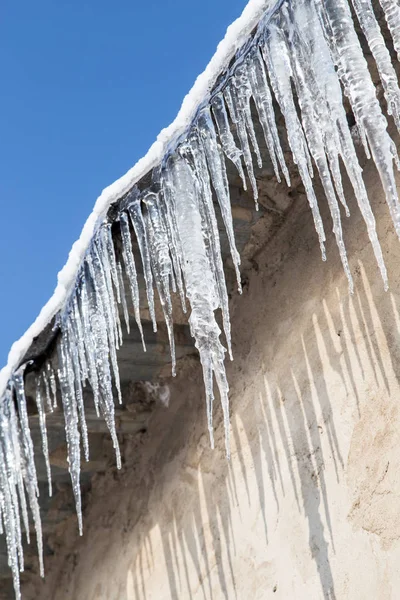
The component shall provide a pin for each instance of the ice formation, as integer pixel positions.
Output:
(305, 56)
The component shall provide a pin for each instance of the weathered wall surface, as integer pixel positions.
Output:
(309, 505)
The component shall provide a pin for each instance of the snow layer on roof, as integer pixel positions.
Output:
(235, 37)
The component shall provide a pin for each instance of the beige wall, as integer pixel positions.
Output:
(309, 506)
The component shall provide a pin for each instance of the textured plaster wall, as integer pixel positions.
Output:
(309, 505)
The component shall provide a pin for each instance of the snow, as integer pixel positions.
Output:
(236, 35)
(306, 53)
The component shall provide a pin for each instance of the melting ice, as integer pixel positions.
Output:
(305, 57)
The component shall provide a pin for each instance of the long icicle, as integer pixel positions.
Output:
(304, 55)
(130, 269)
(43, 431)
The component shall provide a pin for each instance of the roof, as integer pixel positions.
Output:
(236, 36)
(182, 215)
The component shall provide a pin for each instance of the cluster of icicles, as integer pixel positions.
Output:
(307, 52)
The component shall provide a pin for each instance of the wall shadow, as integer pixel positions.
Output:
(286, 452)
(286, 438)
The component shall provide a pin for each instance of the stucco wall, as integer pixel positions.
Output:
(309, 505)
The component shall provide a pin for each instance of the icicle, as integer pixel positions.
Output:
(130, 269)
(47, 391)
(109, 250)
(322, 81)
(123, 296)
(106, 253)
(366, 16)
(30, 477)
(307, 52)
(135, 213)
(243, 95)
(100, 346)
(358, 85)
(216, 165)
(161, 264)
(84, 312)
(263, 101)
(18, 382)
(43, 431)
(200, 286)
(120, 338)
(225, 135)
(71, 346)
(166, 207)
(237, 98)
(314, 123)
(109, 261)
(211, 233)
(10, 516)
(392, 13)
(104, 287)
(12, 495)
(53, 384)
(276, 60)
(78, 332)
(66, 379)
(15, 457)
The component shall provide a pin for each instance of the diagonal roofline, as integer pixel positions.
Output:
(235, 38)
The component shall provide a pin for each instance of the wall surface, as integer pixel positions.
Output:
(309, 505)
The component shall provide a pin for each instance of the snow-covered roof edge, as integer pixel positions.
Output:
(235, 37)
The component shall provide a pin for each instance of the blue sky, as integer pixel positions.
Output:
(86, 88)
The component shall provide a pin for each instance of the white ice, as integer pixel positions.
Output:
(302, 56)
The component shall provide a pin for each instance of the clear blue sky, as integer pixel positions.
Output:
(86, 87)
